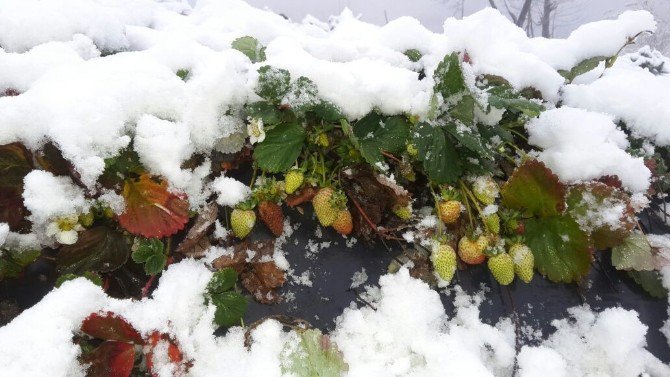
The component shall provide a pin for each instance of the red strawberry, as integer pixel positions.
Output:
(343, 224)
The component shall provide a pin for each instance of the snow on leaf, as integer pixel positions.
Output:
(98, 249)
(377, 134)
(281, 147)
(633, 254)
(273, 83)
(533, 187)
(314, 355)
(440, 159)
(109, 326)
(449, 76)
(111, 359)
(250, 47)
(581, 68)
(151, 210)
(222, 281)
(560, 247)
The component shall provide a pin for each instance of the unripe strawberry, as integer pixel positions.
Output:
(322, 140)
(403, 212)
(343, 224)
(502, 268)
(272, 215)
(492, 223)
(323, 206)
(411, 150)
(443, 258)
(293, 180)
(449, 211)
(471, 251)
(524, 261)
(485, 190)
(242, 222)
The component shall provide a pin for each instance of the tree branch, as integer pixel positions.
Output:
(524, 13)
(493, 4)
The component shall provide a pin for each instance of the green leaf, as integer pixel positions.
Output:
(91, 276)
(376, 133)
(183, 73)
(413, 54)
(303, 95)
(99, 249)
(440, 159)
(250, 47)
(327, 111)
(650, 281)
(448, 77)
(560, 247)
(633, 254)
(147, 248)
(273, 83)
(222, 281)
(469, 137)
(155, 264)
(464, 110)
(281, 147)
(516, 105)
(230, 307)
(13, 262)
(583, 67)
(534, 188)
(264, 110)
(315, 355)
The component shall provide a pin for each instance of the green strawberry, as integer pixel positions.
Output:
(443, 258)
(403, 212)
(293, 180)
(485, 189)
(492, 223)
(502, 268)
(524, 261)
(449, 211)
(242, 222)
(471, 251)
(325, 211)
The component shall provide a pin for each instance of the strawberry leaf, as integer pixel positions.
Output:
(230, 307)
(315, 355)
(281, 147)
(440, 159)
(222, 281)
(560, 247)
(250, 47)
(449, 77)
(109, 326)
(151, 252)
(377, 134)
(633, 254)
(534, 188)
(15, 164)
(650, 281)
(111, 359)
(273, 83)
(98, 249)
(151, 210)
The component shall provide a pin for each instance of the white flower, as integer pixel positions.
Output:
(256, 131)
(65, 229)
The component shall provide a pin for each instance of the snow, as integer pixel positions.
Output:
(580, 145)
(230, 191)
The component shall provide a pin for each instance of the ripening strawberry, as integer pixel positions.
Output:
(242, 222)
(443, 258)
(485, 190)
(471, 251)
(343, 224)
(325, 211)
(403, 212)
(272, 215)
(449, 211)
(502, 268)
(524, 261)
(492, 223)
(293, 180)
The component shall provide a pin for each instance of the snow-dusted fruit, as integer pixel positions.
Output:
(449, 211)
(443, 258)
(492, 223)
(524, 261)
(403, 212)
(502, 268)
(485, 190)
(293, 181)
(325, 211)
(343, 224)
(242, 222)
(272, 216)
(471, 251)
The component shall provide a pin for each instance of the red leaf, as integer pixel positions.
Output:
(109, 326)
(111, 359)
(174, 353)
(152, 211)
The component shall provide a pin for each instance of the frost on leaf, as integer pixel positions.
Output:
(534, 188)
(560, 247)
(633, 254)
(313, 355)
(151, 210)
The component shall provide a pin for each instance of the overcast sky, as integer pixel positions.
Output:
(432, 13)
